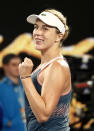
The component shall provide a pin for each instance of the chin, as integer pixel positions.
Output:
(16, 75)
(39, 48)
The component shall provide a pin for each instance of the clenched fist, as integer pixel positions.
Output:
(25, 68)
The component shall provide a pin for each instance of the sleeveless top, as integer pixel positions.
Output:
(59, 120)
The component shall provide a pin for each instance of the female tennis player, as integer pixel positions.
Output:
(48, 88)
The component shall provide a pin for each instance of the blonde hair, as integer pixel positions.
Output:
(63, 20)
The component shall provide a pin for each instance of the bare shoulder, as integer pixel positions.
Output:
(58, 77)
(60, 66)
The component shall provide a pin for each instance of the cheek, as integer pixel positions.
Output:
(51, 38)
(33, 34)
(14, 69)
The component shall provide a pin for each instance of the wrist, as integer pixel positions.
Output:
(24, 77)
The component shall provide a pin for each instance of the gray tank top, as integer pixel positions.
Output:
(59, 120)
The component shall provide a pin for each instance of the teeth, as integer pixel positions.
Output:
(39, 40)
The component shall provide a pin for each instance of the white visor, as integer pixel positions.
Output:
(49, 19)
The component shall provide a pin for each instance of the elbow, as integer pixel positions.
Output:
(43, 118)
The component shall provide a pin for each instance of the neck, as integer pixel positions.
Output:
(49, 54)
(14, 79)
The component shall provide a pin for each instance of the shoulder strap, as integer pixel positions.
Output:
(51, 61)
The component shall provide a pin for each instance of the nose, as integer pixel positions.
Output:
(38, 31)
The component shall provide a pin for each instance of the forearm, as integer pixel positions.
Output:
(35, 100)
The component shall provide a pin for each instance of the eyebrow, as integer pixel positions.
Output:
(45, 25)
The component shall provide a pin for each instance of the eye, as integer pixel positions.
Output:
(45, 28)
(35, 27)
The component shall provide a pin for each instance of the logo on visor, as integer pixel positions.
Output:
(43, 14)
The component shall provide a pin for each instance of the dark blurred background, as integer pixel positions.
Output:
(78, 12)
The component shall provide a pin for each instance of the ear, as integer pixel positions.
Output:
(59, 37)
(5, 67)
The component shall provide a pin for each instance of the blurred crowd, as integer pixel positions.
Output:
(82, 107)
(12, 105)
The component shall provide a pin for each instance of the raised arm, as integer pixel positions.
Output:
(53, 85)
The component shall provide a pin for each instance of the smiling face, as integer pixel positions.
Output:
(44, 36)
